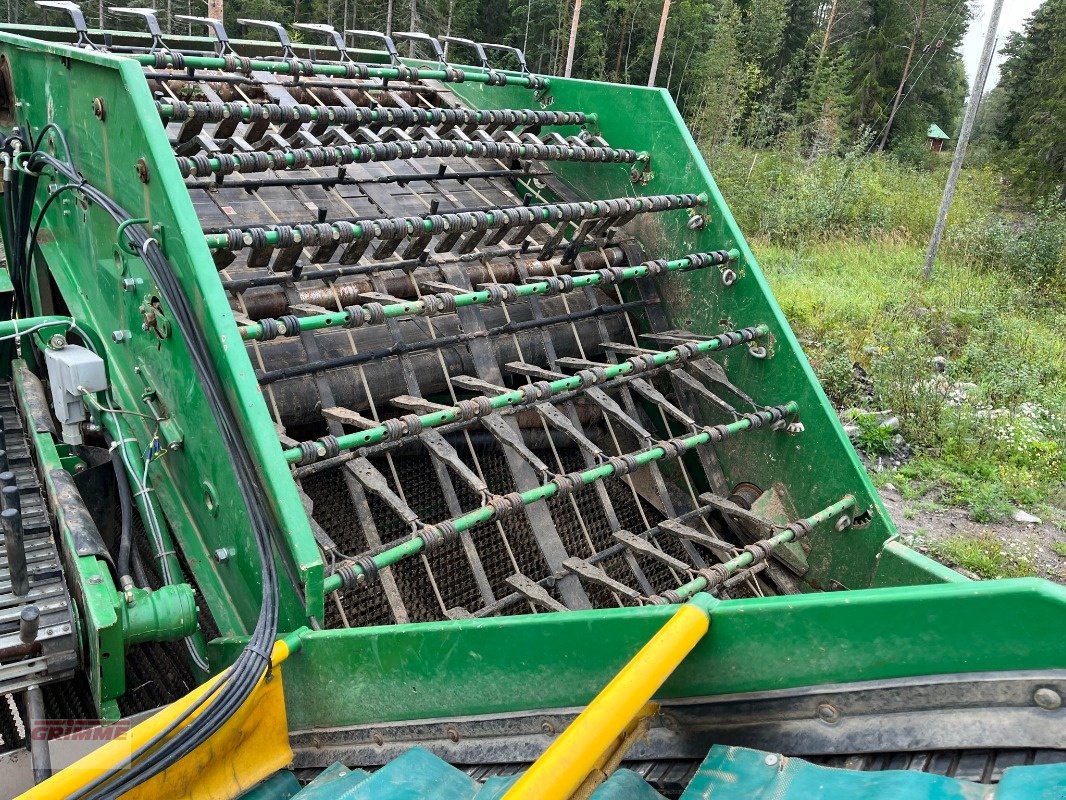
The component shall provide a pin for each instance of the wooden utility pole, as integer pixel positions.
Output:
(906, 74)
(829, 27)
(573, 39)
(659, 42)
(964, 138)
(214, 9)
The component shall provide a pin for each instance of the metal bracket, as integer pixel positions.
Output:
(279, 31)
(390, 45)
(369, 476)
(646, 548)
(483, 59)
(331, 33)
(518, 54)
(722, 550)
(77, 18)
(414, 36)
(150, 20)
(222, 45)
(534, 593)
(511, 437)
(596, 575)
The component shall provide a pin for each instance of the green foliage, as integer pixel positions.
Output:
(874, 438)
(1059, 548)
(793, 197)
(1032, 247)
(1033, 116)
(991, 431)
(983, 555)
(744, 72)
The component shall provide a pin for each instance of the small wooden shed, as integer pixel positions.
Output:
(937, 137)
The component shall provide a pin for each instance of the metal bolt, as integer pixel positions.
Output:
(843, 523)
(378, 740)
(129, 284)
(221, 554)
(120, 336)
(729, 277)
(696, 222)
(453, 734)
(142, 170)
(95, 580)
(771, 759)
(827, 712)
(57, 342)
(98, 108)
(1047, 699)
(548, 728)
(758, 352)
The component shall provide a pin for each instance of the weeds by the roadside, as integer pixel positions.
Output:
(983, 555)
(990, 429)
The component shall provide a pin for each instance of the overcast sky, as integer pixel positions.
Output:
(1012, 18)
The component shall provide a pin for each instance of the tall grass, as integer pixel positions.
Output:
(842, 240)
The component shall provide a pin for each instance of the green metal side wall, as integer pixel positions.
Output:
(58, 84)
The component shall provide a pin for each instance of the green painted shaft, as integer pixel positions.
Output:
(342, 155)
(743, 560)
(248, 111)
(486, 513)
(339, 70)
(19, 327)
(517, 397)
(254, 331)
(493, 219)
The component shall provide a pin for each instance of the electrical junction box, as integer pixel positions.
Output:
(72, 370)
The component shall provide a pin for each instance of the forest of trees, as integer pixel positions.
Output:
(1023, 119)
(823, 75)
(751, 69)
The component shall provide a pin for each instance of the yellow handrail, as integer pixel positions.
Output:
(581, 748)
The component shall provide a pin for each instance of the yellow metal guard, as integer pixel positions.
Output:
(588, 741)
(252, 745)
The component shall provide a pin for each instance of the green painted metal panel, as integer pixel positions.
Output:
(194, 482)
(492, 666)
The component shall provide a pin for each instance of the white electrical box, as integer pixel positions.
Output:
(72, 369)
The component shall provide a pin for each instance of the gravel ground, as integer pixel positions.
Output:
(924, 522)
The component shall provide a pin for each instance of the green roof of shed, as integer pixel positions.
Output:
(935, 132)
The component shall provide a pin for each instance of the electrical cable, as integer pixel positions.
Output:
(236, 684)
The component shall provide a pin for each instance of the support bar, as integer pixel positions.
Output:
(341, 155)
(179, 111)
(581, 748)
(329, 446)
(367, 567)
(430, 305)
(344, 231)
(298, 67)
(713, 576)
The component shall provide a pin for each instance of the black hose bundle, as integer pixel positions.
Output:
(235, 686)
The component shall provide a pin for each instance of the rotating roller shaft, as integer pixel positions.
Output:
(347, 69)
(430, 305)
(344, 231)
(367, 567)
(177, 110)
(712, 577)
(329, 446)
(341, 155)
